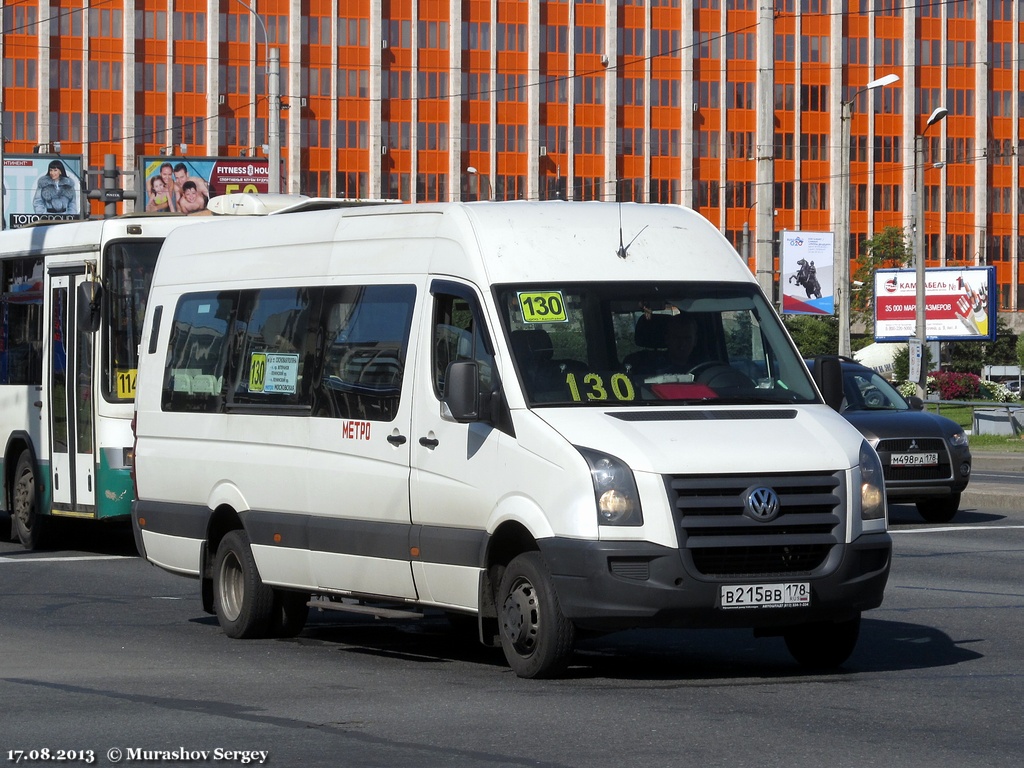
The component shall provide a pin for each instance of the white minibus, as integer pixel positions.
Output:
(554, 417)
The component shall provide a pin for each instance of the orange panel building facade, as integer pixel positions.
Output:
(730, 108)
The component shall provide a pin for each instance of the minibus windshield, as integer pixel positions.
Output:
(632, 344)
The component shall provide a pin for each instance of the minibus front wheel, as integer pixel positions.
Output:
(243, 603)
(535, 635)
(823, 645)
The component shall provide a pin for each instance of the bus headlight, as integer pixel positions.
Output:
(872, 485)
(618, 501)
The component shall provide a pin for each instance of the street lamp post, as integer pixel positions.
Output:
(841, 282)
(273, 106)
(917, 203)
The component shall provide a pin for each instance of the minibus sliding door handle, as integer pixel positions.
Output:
(396, 439)
(429, 442)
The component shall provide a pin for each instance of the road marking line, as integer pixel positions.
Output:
(960, 528)
(63, 559)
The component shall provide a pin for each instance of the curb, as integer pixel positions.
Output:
(1001, 496)
(994, 497)
(998, 462)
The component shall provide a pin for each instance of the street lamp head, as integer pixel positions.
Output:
(939, 114)
(883, 80)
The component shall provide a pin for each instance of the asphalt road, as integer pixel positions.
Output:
(101, 652)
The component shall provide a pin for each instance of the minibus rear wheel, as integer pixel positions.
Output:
(535, 635)
(291, 610)
(243, 603)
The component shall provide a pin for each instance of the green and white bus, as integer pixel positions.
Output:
(72, 299)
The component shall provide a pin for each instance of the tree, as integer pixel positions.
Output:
(814, 334)
(1002, 351)
(971, 356)
(887, 249)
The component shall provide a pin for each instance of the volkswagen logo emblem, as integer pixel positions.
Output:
(761, 504)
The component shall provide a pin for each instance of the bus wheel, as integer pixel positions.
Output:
(243, 603)
(29, 524)
(536, 637)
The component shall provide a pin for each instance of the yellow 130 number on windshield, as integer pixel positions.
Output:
(594, 387)
(542, 307)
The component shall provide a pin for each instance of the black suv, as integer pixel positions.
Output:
(925, 457)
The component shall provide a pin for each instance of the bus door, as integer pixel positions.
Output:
(69, 397)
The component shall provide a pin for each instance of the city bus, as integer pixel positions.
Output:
(72, 300)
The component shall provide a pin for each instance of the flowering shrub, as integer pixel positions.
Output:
(953, 385)
(907, 388)
(995, 391)
(960, 386)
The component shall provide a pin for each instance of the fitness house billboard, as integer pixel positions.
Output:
(186, 184)
(41, 187)
(957, 303)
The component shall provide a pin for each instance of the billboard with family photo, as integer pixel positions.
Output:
(41, 187)
(186, 184)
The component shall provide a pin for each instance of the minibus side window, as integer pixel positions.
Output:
(194, 370)
(276, 345)
(458, 335)
(364, 335)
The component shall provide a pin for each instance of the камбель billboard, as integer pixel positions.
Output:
(959, 301)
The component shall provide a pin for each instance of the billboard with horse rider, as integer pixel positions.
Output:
(807, 268)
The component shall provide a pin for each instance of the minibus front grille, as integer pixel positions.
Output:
(718, 537)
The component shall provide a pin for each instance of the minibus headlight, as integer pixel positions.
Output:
(618, 501)
(872, 486)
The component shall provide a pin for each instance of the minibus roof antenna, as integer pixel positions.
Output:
(622, 252)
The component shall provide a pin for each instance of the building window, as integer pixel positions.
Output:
(706, 143)
(433, 136)
(190, 78)
(476, 35)
(511, 37)
(187, 26)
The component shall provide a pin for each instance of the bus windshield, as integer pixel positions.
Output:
(632, 344)
(128, 273)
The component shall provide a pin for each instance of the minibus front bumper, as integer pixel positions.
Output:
(609, 586)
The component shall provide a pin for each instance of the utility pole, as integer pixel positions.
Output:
(764, 228)
(273, 119)
(110, 194)
(3, 189)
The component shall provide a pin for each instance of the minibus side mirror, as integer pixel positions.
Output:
(828, 375)
(89, 301)
(462, 391)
